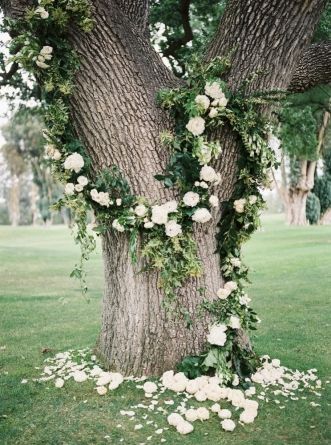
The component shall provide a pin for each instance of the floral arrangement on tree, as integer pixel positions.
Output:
(166, 229)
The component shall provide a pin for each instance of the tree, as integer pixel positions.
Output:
(115, 113)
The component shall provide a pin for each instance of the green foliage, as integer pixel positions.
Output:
(322, 186)
(313, 208)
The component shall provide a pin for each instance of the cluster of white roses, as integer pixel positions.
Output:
(217, 332)
(228, 288)
(74, 162)
(44, 54)
(239, 204)
(52, 152)
(213, 98)
(41, 11)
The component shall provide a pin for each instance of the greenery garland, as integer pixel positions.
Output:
(167, 230)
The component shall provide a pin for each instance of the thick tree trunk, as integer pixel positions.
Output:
(115, 114)
(14, 201)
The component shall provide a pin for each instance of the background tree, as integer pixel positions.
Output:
(115, 114)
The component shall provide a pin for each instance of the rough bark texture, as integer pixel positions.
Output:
(115, 114)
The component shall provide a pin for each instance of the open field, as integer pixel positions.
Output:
(41, 307)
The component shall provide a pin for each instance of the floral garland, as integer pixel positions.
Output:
(202, 106)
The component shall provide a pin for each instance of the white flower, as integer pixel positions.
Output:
(213, 90)
(82, 180)
(231, 285)
(117, 226)
(118, 201)
(172, 228)
(228, 425)
(59, 383)
(184, 427)
(42, 12)
(203, 413)
(203, 185)
(101, 390)
(207, 174)
(252, 199)
(53, 152)
(239, 205)
(192, 387)
(223, 293)
(275, 362)
(235, 380)
(201, 215)
(247, 416)
(217, 335)
(244, 300)
(170, 206)
(74, 162)
(196, 125)
(79, 188)
(214, 201)
(101, 198)
(140, 210)
(46, 50)
(224, 414)
(203, 101)
(234, 322)
(191, 199)
(159, 215)
(216, 408)
(250, 391)
(42, 64)
(200, 396)
(69, 189)
(221, 102)
(150, 387)
(191, 415)
(148, 224)
(174, 419)
(212, 113)
(79, 376)
(235, 262)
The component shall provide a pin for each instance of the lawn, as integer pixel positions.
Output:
(41, 307)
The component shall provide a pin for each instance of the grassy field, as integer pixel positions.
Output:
(41, 307)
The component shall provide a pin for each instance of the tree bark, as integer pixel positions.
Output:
(115, 113)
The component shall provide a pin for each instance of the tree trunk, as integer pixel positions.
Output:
(115, 113)
(14, 201)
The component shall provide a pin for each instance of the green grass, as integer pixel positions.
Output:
(41, 307)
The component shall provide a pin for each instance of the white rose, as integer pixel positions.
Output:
(42, 12)
(148, 225)
(103, 199)
(59, 383)
(231, 285)
(224, 414)
(213, 90)
(275, 362)
(79, 376)
(159, 215)
(207, 174)
(235, 262)
(252, 199)
(235, 380)
(184, 427)
(221, 102)
(172, 228)
(203, 101)
(191, 415)
(118, 201)
(140, 210)
(82, 180)
(217, 335)
(203, 413)
(174, 419)
(196, 126)
(95, 195)
(234, 322)
(101, 390)
(191, 199)
(212, 113)
(56, 155)
(117, 226)
(46, 50)
(201, 215)
(69, 189)
(170, 206)
(228, 425)
(200, 396)
(223, 293)
(74, 162)
(216, 408)
(150, 387)
(239, 205)
(79, 188)
(214, 201)
(247, 416)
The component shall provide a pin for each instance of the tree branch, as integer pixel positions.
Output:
(313, 68)
(175, 44)
(6, 76)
